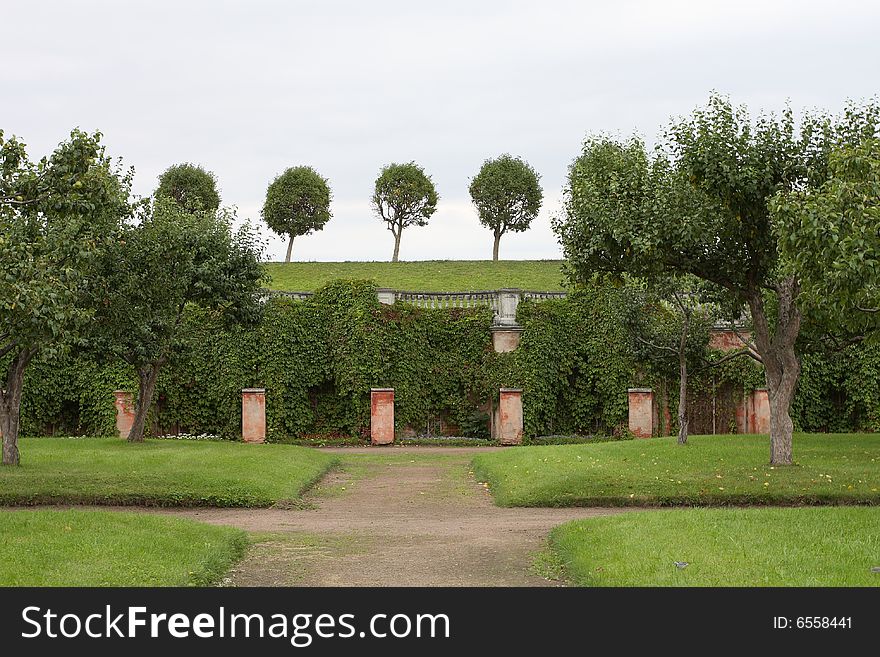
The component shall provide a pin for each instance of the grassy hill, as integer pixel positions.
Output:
(423, 276)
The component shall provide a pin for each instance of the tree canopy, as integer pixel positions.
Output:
(170, 259)
(297, 203)
(404, 196)
(57, 217)
(190, 186)
(507, 194)
(700, 204)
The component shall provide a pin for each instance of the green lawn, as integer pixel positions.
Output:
(103, 548)
(711, 470)
(159, 472)
(828, 546)
(422, 276)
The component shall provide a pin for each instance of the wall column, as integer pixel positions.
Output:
(510, 416)
(761, 411)
(381, 416)
(641, 412)
(253, 415)
(124, 402)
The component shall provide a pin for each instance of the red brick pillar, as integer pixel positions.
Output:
(641, 412)
(124, 412)
(253, 415)
(761, 414)
(510, 416)
(381, 416)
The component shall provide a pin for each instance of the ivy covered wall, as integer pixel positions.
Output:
(318, 359)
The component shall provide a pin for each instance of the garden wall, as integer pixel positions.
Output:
(318, 357)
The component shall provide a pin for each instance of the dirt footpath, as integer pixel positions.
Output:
(394, 517)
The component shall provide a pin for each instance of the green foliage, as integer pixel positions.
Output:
(101, 548)
(172, 258)
(404, 196)
(318, 359)
(507, 194)
(297, 202)
(56, 217)
(829, 235)
(190, 186)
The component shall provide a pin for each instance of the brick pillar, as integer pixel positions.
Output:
(510, 416)
(124, 412)
(253, 415)
(381, 416)
(505, 338)
(761, 413)
(641, 412)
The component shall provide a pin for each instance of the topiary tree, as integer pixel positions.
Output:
(404, 196)
(169, 260)
(190, 186)
(507, 194)
(701, 206)
(57, 217)
(297, 203)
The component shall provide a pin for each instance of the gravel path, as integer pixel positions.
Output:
(394, 517)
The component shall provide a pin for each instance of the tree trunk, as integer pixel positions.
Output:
(495, 247)
(781, 365)
(147, 375)
(396, 245)
(10, 405)
(682, 384)
(289, 249)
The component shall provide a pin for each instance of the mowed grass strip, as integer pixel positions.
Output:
(822, 546)
(159, 473)
(104, 548)
(710, 470)
(422, 276)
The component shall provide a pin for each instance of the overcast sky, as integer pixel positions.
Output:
(247, 89)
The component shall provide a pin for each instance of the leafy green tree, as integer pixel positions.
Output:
(670, 328)
(507, 194)
(830, 235)
(404, 196)
(701, 206)
(171, 259)
(191, 186)
(297, 203)
(56, 218)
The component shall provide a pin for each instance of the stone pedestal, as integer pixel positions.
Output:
(508, 300)
(385, 295)
(641, 412)
(505, 338)
(124, 412)
(381, 416)
(253, 415)
(760, 418)
(510, 417)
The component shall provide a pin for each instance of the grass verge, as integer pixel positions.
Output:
(159, 473)
(711, 470)
(723, 547)
(104, 548)
(422, 276)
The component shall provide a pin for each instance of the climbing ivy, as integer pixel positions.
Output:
(319, 358)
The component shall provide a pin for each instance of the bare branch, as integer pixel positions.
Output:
(754, 356)
(657, 346)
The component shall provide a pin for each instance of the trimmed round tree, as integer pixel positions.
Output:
(404, 196)
(297, 203)
(190, 186)
(507, 194)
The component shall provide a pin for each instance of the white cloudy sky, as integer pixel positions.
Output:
(249, 88)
